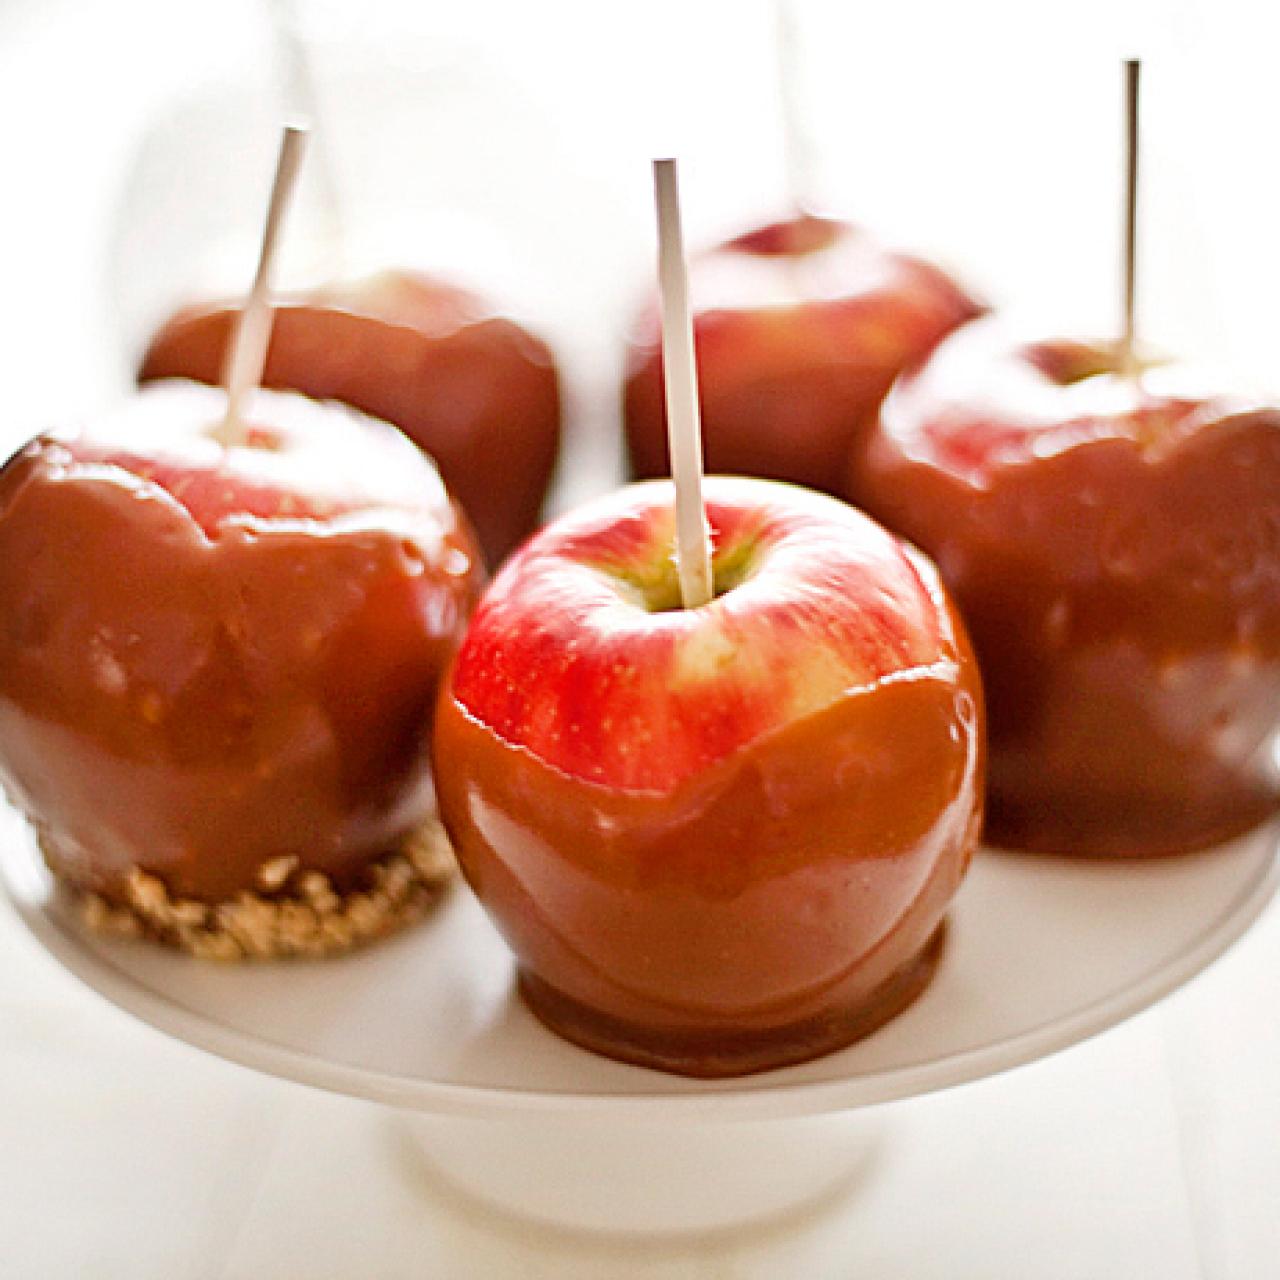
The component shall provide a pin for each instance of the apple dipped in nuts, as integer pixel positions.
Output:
(225, 620)
(474, 389)
(218, 662)
(801, 327)
(1114, 544)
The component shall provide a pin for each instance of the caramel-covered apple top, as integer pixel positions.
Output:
(826, 259)
(990, 399)
(298, 462)
(610, 630)
(429, 305)
(812, 259)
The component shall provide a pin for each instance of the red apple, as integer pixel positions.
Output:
(717, 839)
(476, 391)
(215, 660)
(1115, 549)
(800, 328)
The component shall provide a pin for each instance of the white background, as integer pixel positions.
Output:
(511, 141)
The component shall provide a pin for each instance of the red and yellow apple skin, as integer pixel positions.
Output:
(214, 657)
(800, 329)
(479, 393)
(1115, 551)
(722, 839)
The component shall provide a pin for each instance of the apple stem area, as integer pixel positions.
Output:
(684, 424)
(247, 354)
(1129, 364)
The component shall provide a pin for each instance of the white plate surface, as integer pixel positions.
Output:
(1042, 953)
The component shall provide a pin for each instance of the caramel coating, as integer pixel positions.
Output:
(774, 898)
(777, 911)
(194, 692)
(1116, 554)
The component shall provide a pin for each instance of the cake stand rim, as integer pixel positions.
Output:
(731, 1100)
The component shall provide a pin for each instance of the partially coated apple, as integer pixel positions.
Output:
(717, 839)
(479, 393)
(217, 664)
(1114, 546)
(800, 329)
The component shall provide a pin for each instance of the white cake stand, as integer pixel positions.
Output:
(1042, 953)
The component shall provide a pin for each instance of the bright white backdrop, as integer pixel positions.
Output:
(985, 133)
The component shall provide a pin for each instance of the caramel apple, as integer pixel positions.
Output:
(1114, 545)
(718, 839)
(479, 393)
(218, 664)
(800, 328)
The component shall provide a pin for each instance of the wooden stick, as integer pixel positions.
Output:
(1129, 365)
(684, 424)
(247, 353)
(797, 142)
(302, 103)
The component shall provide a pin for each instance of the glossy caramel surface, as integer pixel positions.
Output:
(773, 902)
(213, 658)
(1115, 550)
(476, 391)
